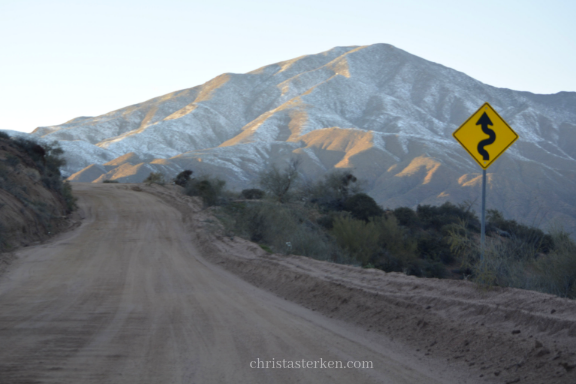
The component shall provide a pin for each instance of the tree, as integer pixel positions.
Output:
(182, 178)
(279, 182)
(332, 190)
(362, 207)
(155, 178)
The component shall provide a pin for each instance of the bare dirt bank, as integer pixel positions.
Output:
(498, 335)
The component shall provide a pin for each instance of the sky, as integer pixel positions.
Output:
(64, 59)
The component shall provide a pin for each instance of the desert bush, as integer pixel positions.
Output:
(110, 181)
(69, 198)
(499, 267)
(512, 262)
(330, 192)
(362, 207)
(326, 221)
(434, 247)
(283, 227)
(557, 270)
(279, 183)
(183, 177)
(447, 213)
(398, 251)
(4, 135)
(53, 157)
(155, 178)
(210, 189)
(253, 194)
(357, 237)
(530, 236)
(406, 217)
(47, 157)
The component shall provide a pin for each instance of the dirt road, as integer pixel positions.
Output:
(128, 298)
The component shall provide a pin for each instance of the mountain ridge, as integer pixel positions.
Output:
(399, 109)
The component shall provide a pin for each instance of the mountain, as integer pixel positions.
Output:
(378, 110)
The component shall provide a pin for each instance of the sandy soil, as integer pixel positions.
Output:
(145, 290)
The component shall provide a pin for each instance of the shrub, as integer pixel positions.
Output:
(4, 135)
(209, 189)
(285, 228)
(357, 237)
(326, 221)
(182, 178)
(557, 270)
(253, 194)
(362, 207)
(280, 182)
(266, 248)
(434, 247)
(532, 236)
(406, 217)
(69, 197)
(110, 181)
(155, 178)
(331, 192)
(447, 213)
(399, 249)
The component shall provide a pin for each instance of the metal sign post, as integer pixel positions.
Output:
(483, 224)
(474, 140)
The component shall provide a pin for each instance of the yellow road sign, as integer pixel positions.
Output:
(485, 135)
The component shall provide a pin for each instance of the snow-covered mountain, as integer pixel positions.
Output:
(378, 110)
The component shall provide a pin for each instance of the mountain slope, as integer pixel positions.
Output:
(379, 110)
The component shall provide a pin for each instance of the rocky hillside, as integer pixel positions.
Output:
(380, 111)
(34, 201)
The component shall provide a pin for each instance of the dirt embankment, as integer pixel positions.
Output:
(32, 207)
(501, 335)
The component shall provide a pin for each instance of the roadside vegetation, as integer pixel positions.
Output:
(26, 164)
(333, 219)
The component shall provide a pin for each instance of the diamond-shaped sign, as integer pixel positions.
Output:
(485, 135)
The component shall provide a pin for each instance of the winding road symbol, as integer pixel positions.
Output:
(485, 121)
(472, 136)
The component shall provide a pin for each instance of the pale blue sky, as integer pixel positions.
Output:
(64, 59)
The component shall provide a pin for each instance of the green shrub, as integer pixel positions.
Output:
(182, 178)
(357, 237)
(69, 197)
(362, 207)
(253, 194)
(399, 249)
(332, 190)
(532, 236)
(4, 135)
(326, 221)
(266, 248)
(279, 183)
(285, 228)
(557, 270)
(208, 188)
(434, 247)
(155, 178)
(406, 217)
(110, 181)
(447, 213)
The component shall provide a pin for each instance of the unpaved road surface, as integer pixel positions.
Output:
(147, 290)
(128, 298)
